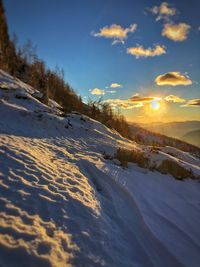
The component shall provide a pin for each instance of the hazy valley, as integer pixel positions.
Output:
(188, 131)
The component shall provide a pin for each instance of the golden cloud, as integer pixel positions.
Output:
(164, 11)
(140, 51)
(174, 98)
(134, 102)
(97, 91)
(116, 32)
(176, 32)
(193, 103)
(123, 103)
(173, 79)
(115, 85)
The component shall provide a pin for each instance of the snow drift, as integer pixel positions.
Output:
(63, 204)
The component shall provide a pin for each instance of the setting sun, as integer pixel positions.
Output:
(155, 105)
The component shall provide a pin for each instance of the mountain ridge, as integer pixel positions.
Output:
(173, 129)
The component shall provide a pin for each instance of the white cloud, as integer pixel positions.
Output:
(173, 78)
(136, 94)
(116, 32)
(111, 91)
(140, 51)
(97, 91)
(176, 32)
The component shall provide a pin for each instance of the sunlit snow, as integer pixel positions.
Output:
(63, 204)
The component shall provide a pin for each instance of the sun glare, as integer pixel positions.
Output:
(155, 105)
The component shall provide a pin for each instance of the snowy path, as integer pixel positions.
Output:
(144, 246)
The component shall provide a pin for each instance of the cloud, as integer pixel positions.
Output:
(138, 99)
(123, 103)
(97, 91)
(164, 11)
(192, 103)
(116, 32)
(111, 91)
(140, 51)
(173, 79)
(174, 99)
(134, 102)
(136, 94)
(115, 85)
(176, 32)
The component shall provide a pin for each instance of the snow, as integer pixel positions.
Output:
(63, 204)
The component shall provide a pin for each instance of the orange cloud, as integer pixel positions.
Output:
(176, 32)
(138, 99)
(173, 79)
(140, 51)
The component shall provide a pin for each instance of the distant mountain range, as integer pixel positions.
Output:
(188, 131)
(150, 138)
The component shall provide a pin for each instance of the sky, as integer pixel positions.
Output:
(142, 57)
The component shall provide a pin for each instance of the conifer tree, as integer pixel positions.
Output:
(4, 38)
(8, 58)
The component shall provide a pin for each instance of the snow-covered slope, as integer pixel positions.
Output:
(63, 204)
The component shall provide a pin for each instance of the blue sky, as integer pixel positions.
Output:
(64, 34)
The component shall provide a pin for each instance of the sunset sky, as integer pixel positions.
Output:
(142, 57)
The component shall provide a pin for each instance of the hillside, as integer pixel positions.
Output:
(147, 137)
(192, 137)
(66, 201)
(173, 129)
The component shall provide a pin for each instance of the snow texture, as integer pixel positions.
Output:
(63, 204)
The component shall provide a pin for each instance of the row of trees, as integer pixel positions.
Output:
(102, 112)
(24, 64)
(7, 49)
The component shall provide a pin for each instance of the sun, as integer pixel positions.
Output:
(155, 105)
